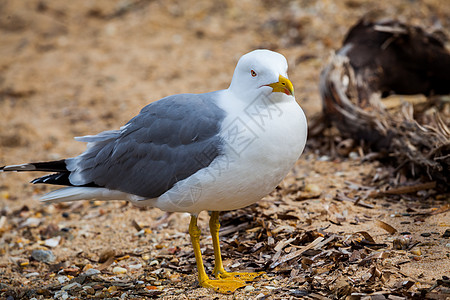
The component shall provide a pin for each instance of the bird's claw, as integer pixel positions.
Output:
(223, 286)
(242, 276)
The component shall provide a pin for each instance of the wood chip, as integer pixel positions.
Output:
(297, 253)
(232, 229)
(283, 243)
(340, 196)
(367, 236)
(386, 227)
(106, 264)
(136, 225)
(410, 189)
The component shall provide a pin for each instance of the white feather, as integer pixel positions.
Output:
(86, 193)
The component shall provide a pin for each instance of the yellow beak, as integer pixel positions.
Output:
(283, 85)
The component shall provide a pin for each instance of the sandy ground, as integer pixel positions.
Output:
(72, 68)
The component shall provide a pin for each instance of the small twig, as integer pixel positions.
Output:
(297, 253)
(342, 197)
(410, 189)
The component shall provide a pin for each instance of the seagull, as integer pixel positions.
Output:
(216, 151)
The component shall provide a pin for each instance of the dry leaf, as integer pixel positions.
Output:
(386, 227)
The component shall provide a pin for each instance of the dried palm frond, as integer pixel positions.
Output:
(389, 57)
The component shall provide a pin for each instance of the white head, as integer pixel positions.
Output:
(261, 71)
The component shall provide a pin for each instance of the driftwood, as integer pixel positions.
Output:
(388, 57)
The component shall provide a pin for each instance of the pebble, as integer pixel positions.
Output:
(298, 293)
(71, 286)
(446, 234)
(87, 267)
(312, 188)
(416, 252)
(353, 155)
(31, 274)
(5, 195)
(324, 158)
(31, 222)
(61, 295)
(62, 279)
(2, 221)
(140, 233)
(270, 287)
(45, 256)
(135, 267)
(119, 270)
(248, 288)
(24, 263)
(154, 262)
(52, 242)
(402, 242)
(175, 277)
(158, 271)
(89, 289)
(425, 234)
(91, 271)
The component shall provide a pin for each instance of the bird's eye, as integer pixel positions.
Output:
(253, 73)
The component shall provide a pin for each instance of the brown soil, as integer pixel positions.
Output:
(72, 68)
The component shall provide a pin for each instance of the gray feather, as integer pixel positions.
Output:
(168, 141)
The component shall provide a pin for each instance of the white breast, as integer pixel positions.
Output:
(262, 138)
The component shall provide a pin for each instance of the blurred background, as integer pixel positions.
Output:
(71, 68)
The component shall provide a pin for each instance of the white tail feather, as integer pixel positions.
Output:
(84, 193)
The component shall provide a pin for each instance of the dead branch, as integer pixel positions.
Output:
(382, 58)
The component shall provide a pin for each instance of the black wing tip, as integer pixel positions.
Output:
(57, 178)
(61, 178)
(51, 166)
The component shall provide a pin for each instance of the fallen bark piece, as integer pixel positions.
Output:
(386, 227)
(380, 58)
(411, 189)
(297, 253)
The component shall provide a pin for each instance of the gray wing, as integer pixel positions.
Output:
(168, 141)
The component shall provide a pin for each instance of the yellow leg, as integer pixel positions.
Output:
(219, 271)
(224, 286)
